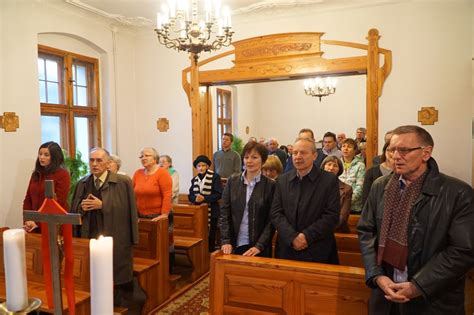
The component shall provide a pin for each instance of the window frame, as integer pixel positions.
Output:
(66, 110)
(222, 95)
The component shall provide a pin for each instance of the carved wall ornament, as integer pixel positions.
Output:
(163, 124)
(273, 69)
(428, 115)
(275, 50)
(10, 122)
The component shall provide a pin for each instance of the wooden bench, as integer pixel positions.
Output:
(183, 199)
(254, 285)
(349, 255)
(34, 270)
(191, 236)
(348, 250)
(352, 222)
(151, 261)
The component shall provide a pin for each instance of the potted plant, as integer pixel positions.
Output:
(77, 169)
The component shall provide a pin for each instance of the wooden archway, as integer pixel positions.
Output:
(282, 57)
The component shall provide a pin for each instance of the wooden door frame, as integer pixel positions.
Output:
(286, 56)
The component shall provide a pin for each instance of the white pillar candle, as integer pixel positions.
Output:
(102, 282)
(15, 269)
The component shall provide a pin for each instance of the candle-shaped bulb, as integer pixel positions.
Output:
(220, 31)
(226, 15)
(208, 8)
(182, 33)
(217, 9)
(165, 10)
(172, 8)
(159, 21)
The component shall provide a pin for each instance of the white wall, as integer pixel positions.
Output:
(283, 109)
(20, 25)
(431, 45)
(159, 94)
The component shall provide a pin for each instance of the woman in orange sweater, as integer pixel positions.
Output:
(153, 190)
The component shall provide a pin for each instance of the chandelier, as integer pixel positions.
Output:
(178, 28)
(318, 87)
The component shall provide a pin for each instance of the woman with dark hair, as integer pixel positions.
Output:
(385, 168)
(245, 210)
(334, 165)
(49, 166)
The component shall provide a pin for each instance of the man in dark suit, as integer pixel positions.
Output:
(106, 202)
(305, 209)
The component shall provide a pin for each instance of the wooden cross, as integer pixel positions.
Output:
(53, 220)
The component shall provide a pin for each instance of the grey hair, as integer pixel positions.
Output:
(168, 158)
(309, 140)
(156, 156)
(117, 160)
(107, 154)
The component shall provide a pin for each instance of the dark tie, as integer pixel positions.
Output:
(97, 183)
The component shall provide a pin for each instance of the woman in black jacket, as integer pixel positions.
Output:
(245, 211)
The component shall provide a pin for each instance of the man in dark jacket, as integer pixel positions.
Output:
(305, 209)
(416, 233)
(106, 202)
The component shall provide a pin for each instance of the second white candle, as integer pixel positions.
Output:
(102, 281)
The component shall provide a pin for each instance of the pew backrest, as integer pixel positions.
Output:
(191, 221)
(255, 285)
(348, 250)
(153, 239)
(352, 223)
(34, 262)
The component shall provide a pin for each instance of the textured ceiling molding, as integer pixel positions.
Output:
(129, 21)
(274, 4)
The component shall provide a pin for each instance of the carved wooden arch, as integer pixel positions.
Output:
(282, 57)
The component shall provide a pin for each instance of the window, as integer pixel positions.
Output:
(224, 114)
(69, 97)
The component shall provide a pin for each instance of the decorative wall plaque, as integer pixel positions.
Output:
(428, 115)
(9, 121)
(163, 124)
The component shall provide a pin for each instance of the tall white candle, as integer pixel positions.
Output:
(15, 269)
(102, 282)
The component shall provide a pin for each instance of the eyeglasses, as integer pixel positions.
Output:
(403, 151)
(145, 156)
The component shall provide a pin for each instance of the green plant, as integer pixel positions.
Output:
(77, 169)
(237, 145)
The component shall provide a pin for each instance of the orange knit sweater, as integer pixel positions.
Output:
(153, 192)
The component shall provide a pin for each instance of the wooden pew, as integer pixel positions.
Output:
(151, 261)
(254, 285)
(352, 222)
(183, 199)
(190, 233)
(349, 255)
(34, 270)
(348, 250)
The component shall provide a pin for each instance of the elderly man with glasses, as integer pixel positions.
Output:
(416, 232)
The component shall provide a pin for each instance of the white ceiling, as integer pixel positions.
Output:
(143, 12)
